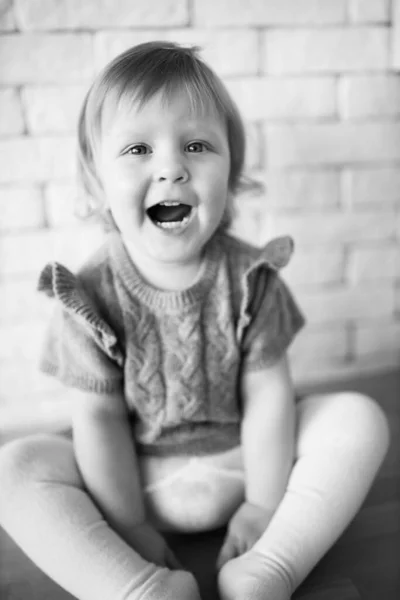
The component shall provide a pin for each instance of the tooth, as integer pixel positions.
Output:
(172, 224)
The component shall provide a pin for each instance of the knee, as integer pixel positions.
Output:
(367, 421)
(347, 421)
(29, 460)
(22, 458)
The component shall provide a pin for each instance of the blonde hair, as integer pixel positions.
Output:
(136, 76)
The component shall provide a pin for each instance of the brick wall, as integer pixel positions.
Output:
(317, 83)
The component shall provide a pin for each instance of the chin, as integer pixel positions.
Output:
(168, 252)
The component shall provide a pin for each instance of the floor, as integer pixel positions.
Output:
(364, 564)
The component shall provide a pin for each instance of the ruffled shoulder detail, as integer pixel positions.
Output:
(277, 252)
(260, 275)
(56, 281)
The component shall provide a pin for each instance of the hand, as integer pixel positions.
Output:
(245, 527)
(151, 546)
(170, 585)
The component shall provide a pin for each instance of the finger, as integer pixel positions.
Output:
(172, 561)
(228, 551)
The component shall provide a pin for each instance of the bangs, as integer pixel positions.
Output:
(174, 73)
(130, 96)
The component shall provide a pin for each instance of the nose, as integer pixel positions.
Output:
(171, 170)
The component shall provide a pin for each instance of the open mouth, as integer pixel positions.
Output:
(170, 214)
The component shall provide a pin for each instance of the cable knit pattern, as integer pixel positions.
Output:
(183, 351)
(144, 372)
(184, 368)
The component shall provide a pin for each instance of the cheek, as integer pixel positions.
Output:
(123, 183)
(216, 177)
(218, 192)
(219, 189)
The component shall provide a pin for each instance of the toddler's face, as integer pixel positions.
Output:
(164, 172)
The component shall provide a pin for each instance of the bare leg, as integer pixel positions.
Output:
(342, 440)
(45, 508)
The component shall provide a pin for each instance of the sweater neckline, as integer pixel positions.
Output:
(165, 299)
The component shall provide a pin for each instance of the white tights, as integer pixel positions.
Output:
(341, 442)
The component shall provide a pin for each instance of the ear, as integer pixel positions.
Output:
(86, 205)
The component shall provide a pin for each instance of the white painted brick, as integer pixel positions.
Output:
(24, 255)
(302, 190)
(43, 158)
(373, 263)
(247, 219)
(377, 337)
(343, 304)
(19, 300)
(7, 20)
(396, 34)
(369, 96)
(342, 371)
(326, 50)
(330, 227)
(11, 118)
(61, 203)
(369, 11)
(47, 58)
(285, 98)
(322, 267)
(21, 208)
(28, 254)
(374, 186)
(333, 143)
(18, 378)
(35, 412)
(52, 109)
(23, 416)
(21, 341)
(228, 52)
(268, 12)
(94, 14)
(320, 346)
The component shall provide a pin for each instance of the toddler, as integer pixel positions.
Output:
(173, 339)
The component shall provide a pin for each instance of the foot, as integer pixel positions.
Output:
(253, 577)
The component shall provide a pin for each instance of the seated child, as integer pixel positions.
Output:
(173, 339)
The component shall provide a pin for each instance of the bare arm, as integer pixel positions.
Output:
(268, 433)
(268, 437)
(106, 456)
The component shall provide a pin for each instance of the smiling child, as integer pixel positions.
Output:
(173, 338)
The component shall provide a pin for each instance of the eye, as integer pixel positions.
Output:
(137, 150)
(196, 147)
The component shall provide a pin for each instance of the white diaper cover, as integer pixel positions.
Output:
(194, 493)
